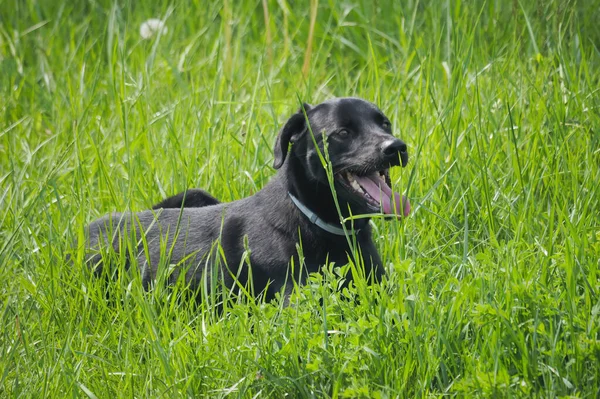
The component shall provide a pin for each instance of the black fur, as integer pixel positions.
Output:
(267, 226)
(191, 198)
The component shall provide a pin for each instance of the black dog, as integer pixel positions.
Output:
(296, 207)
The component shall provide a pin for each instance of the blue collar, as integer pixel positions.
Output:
(314, 219)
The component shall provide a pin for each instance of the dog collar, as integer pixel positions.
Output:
(314, 219)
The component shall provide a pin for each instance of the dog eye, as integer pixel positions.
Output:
(343, 132)
(386, 125)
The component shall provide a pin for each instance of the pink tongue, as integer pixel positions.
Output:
(382, 193)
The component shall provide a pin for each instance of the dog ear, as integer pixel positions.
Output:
(293, 127)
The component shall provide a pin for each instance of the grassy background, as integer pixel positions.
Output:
(493, 287)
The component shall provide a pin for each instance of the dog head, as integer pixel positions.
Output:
(361, 149)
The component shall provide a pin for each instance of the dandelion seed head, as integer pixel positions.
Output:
(151, 27)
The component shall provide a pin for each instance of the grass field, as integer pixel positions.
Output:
(494, 280)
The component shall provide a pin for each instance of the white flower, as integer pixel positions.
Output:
(152, 26)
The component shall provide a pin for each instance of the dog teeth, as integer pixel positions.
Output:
(355, 185)
(353, 182)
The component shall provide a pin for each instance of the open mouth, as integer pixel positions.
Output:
(374, 189)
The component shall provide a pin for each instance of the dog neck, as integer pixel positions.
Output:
(316, 200)
(316, 220)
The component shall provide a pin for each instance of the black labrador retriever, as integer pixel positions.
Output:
(259, 236)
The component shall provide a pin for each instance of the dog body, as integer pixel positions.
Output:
(265, 230)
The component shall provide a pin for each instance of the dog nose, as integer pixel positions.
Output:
(395, 147)
(395, 152)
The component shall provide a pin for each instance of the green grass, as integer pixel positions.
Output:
(493, 285)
